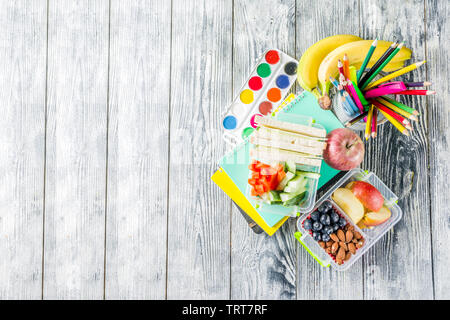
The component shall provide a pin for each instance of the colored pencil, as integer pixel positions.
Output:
(396, 116)
(369, 122)
(378, 63)
(359, 93)
(353, 74)
(385, 100)
(396, 74)
(418, 84)
(374, 123)
(350, 102)
(417, 92)
(356, 119)
(366, 60)
(356, 98)
(395, 123)
(346, 66)
(344, 83)
(347, 108)
(385, 62)
(341, 68)
(397, 109)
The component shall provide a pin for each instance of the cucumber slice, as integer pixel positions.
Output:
(294, 190)
(291, 166)
(274, 197)
(296, 200)
(312, 175)
(297, 182)
(289, 176)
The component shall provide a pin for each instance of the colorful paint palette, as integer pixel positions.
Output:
(263, 92)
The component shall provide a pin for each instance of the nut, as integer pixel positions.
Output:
(351, 228)
(342, 244)
(348, 255)
(351, 248)
(357, 235)
(359, 244)
(334, 247)
(348, 236)
(329, 243)
(341, 253)
(355, 240)
(334, 237)
(328, 250)
(339, 261)
(341, 235)
(322, 244)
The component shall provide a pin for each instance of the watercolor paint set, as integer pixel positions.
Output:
(262, 93)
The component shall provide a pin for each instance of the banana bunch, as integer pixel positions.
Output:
(319, 62)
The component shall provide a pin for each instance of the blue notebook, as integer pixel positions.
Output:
(236, 162)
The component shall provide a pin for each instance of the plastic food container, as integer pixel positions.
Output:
(308, 204)
(371, 236)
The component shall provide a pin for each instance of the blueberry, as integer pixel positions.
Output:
(315, 216)
(334, 217)
(328, 229)
(317, 236)
(325, 237)
(336, 227)
(307, 224)
(317, 226)
(342, 222)
(323, 207)
(325, 219)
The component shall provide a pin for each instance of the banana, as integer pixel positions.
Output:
(309, 63)
(356, 52)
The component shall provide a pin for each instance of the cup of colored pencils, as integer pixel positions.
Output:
(368, 99)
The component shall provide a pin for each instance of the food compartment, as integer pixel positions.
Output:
(370, 234)
(329, 232)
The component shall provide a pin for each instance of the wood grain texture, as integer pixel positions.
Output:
(76, 150)
(138, 150)
(314, 281)
(399, 265)
(437, 44)
(199, 221)
(22, 127)
(262, 267)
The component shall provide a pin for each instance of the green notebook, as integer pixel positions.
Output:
(305, 104)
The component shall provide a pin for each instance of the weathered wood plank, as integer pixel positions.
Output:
(199, 221)
(76, 150)
(138, 150)
(262, 267)
(437, 40)
(399, 266)
(313, 24)
(22, 130)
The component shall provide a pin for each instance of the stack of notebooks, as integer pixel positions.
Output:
(233, 172)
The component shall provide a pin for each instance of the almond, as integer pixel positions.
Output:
(348, 255)
(328, 250)
(351, 228)
(339, 261)
(355, 240)
(340, 254)
(342, 244)
(357, 235)
(334, 237)
(351, 248)
(348, 236)
(359, 244)
(341, 235)
(329, 243)
(322, 244)
(334, 247)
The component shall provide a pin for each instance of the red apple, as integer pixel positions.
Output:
(344, 150)
(369, 196)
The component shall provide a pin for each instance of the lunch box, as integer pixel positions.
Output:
(308, 204)
(371, 235)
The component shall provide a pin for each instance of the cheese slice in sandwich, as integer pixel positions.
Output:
(289, 137)
(276, 154)
(291, 127)
(260, 141)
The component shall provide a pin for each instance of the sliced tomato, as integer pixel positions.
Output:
(256, 175)
(268, 171)
(253, 192)
(259, 189)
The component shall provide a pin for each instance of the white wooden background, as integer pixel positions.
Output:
(110, 131)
